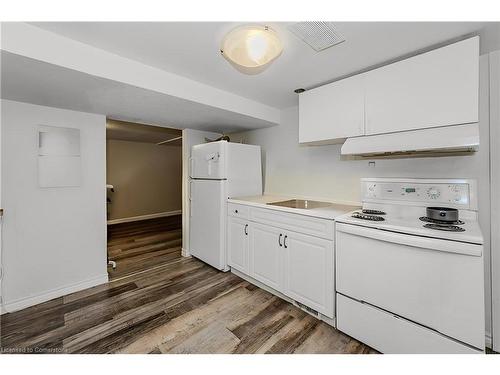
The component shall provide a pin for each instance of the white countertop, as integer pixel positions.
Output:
(329, 212)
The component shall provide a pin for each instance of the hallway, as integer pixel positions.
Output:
(142, 245)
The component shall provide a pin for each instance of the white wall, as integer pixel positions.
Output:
(54, 239)
(147, 179)
(320, 171)
(190, 138)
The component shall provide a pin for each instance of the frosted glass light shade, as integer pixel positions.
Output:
(251, 49)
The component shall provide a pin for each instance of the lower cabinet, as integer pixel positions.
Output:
(308, 271)
(237, 240)
(298, 265)
(266, 255)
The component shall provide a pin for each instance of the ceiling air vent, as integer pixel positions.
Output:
(318, 35)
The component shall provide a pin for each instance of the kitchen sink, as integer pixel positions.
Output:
(300, 203)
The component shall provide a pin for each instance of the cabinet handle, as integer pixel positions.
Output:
(279, 240)
(284, 242)
(246, 229)
(235, 211)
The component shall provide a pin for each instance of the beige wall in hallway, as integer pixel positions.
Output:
(146, 177)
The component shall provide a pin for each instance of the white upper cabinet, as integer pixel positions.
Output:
(333, 111)
(437, 88)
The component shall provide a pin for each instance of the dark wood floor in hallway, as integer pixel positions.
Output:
(142, 245)
(181, 305)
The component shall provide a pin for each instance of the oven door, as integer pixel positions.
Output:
(435, 283)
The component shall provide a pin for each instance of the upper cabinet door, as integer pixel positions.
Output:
(437, 88)
(333, 111)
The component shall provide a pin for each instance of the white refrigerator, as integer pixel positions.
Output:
(218, 171)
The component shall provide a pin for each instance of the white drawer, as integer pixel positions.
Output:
(238, 210)
(313, 226)
(390, 334)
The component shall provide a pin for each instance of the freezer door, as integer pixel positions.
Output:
(208, 222)
(208, 161)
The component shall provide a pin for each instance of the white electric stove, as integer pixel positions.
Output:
(406, 283)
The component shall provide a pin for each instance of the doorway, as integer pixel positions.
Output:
(144, 197)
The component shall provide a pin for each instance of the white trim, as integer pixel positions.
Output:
(488, 342)
(494, 199)
(185, 253)
(144, 217)
(54, 293)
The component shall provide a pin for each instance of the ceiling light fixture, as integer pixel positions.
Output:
(251, 49)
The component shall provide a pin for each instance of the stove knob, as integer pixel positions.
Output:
(433, 193)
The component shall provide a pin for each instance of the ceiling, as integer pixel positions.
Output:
(32, 81)
(128, 131)
(191, 49)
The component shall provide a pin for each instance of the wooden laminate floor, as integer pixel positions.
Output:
(179, 306)
(142, 245)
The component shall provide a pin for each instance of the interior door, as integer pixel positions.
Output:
(266, 255)
(237, 244)
(207, 229)
(308, 270)
(437, 88)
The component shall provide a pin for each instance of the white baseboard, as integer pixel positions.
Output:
(55, 293)
(144, 217)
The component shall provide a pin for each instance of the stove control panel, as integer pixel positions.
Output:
(426, 192)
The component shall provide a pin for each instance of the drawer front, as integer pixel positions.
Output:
(438, 289)
(390, 334)
(313, 226)
(238, 210)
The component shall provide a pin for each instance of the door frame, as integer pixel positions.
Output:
(494, 60)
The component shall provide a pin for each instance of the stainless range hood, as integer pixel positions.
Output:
(448, 139)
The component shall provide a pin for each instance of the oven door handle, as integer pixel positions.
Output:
(436, 244)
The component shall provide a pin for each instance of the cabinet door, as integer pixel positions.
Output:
(308, 270)
(437, 88)
(333, 111)
(237, 241)
(266, 256)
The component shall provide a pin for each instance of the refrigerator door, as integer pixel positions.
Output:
(208, 161)
(208, 222)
